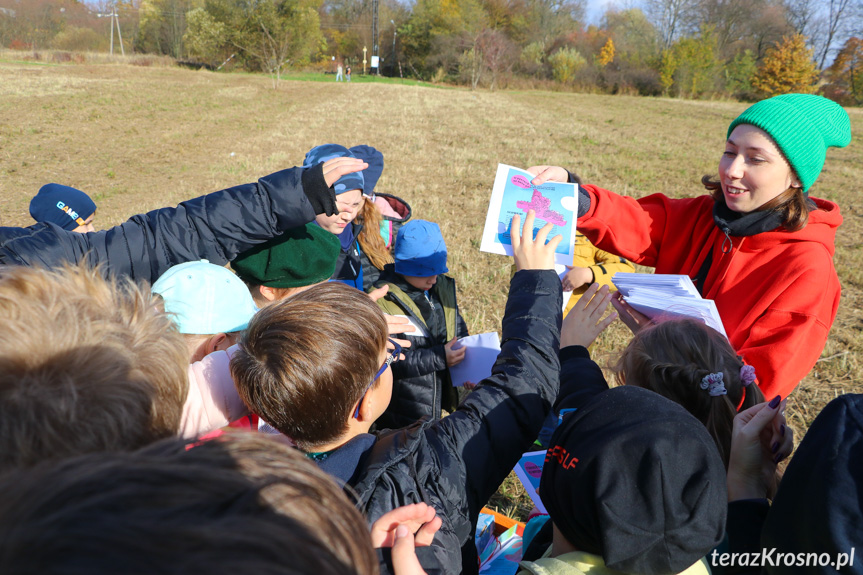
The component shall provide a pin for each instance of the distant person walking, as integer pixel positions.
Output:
(349, 73)
(339, 72)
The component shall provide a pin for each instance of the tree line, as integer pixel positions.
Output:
(745, 49)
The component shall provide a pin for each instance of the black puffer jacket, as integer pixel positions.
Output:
(215, 227)
(455, 464)
(421, 382)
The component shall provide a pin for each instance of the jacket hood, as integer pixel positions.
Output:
(821, 228)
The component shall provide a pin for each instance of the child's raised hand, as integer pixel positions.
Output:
(338, 167)
(529, 253)
(548, 174)
(584, 322)
(454, 356)
(759, 441)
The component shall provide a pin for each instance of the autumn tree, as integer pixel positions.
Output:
(845, 76)
(606, 54)
(788, 67)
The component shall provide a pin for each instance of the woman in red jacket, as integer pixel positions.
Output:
(757, 244)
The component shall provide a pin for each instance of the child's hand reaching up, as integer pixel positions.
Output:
(584, 322)
(529, 253)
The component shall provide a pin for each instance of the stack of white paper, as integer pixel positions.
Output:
(667, 295)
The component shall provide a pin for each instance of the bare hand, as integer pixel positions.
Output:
(380, 292)
(759, 441)
(548, 174)
(469, 385)
(529, 253)
(584, 322)
(575, 277)
(632, 318)
(454, 356)
(338, 167)
(396, 324)
(420, 519)
(404, 555)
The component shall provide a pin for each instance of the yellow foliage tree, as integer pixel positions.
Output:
(606, 55)
(787, 67)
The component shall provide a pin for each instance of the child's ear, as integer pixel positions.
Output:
(217, 342)
(268, 293)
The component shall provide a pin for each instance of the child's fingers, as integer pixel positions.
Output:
(380, 292)
(604, 323)
(527, 229)
(514, 235)
(552, 244)
(404, 554)
(542, 234)
(426, 533)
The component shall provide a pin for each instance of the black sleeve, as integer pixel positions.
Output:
(580, 378)
(215, 227)
(498, 421)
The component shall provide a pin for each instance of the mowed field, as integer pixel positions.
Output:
(138, 138)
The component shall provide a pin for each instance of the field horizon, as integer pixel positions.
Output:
(138, 138)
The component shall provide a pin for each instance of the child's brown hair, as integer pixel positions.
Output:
(370, 239)
(672, 358)
(86, 365)
(238, 502)
(303, 363)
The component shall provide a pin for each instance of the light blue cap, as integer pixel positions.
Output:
(205, 299)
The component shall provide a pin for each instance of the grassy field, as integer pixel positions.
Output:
(142, 137)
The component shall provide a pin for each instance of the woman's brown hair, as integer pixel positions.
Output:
(673, 356)
(792, 204)
(370, 239)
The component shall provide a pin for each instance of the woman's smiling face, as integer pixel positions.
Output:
(752, 170)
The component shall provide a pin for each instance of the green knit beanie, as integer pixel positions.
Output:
(803, 127)
(299, 257)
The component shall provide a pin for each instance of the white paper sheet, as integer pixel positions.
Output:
(482, 352)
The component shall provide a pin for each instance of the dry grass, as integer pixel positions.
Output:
(138, 138)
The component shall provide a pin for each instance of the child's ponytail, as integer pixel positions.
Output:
(371, 242)
(693, 365)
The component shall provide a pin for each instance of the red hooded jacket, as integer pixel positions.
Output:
(777, 291)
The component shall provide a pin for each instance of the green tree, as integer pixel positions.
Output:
(692, 65)
(565, 63)
(739, 72)
(205, 37)
(268, 35)
(787, 67)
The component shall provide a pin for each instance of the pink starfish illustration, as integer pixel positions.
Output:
(539, 204)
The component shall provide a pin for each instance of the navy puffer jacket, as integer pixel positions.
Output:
(457, 463)
(215, 227)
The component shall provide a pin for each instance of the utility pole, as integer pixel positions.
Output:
(375, 36)
(394, 48)
(115, 20)
(119, 34)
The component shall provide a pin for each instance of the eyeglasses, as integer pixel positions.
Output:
(392, 357)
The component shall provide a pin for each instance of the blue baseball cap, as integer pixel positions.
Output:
(62, 205)
(205, 299)
(420, 250)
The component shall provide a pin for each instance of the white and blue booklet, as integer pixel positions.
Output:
(667, 295)
(553, 202)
